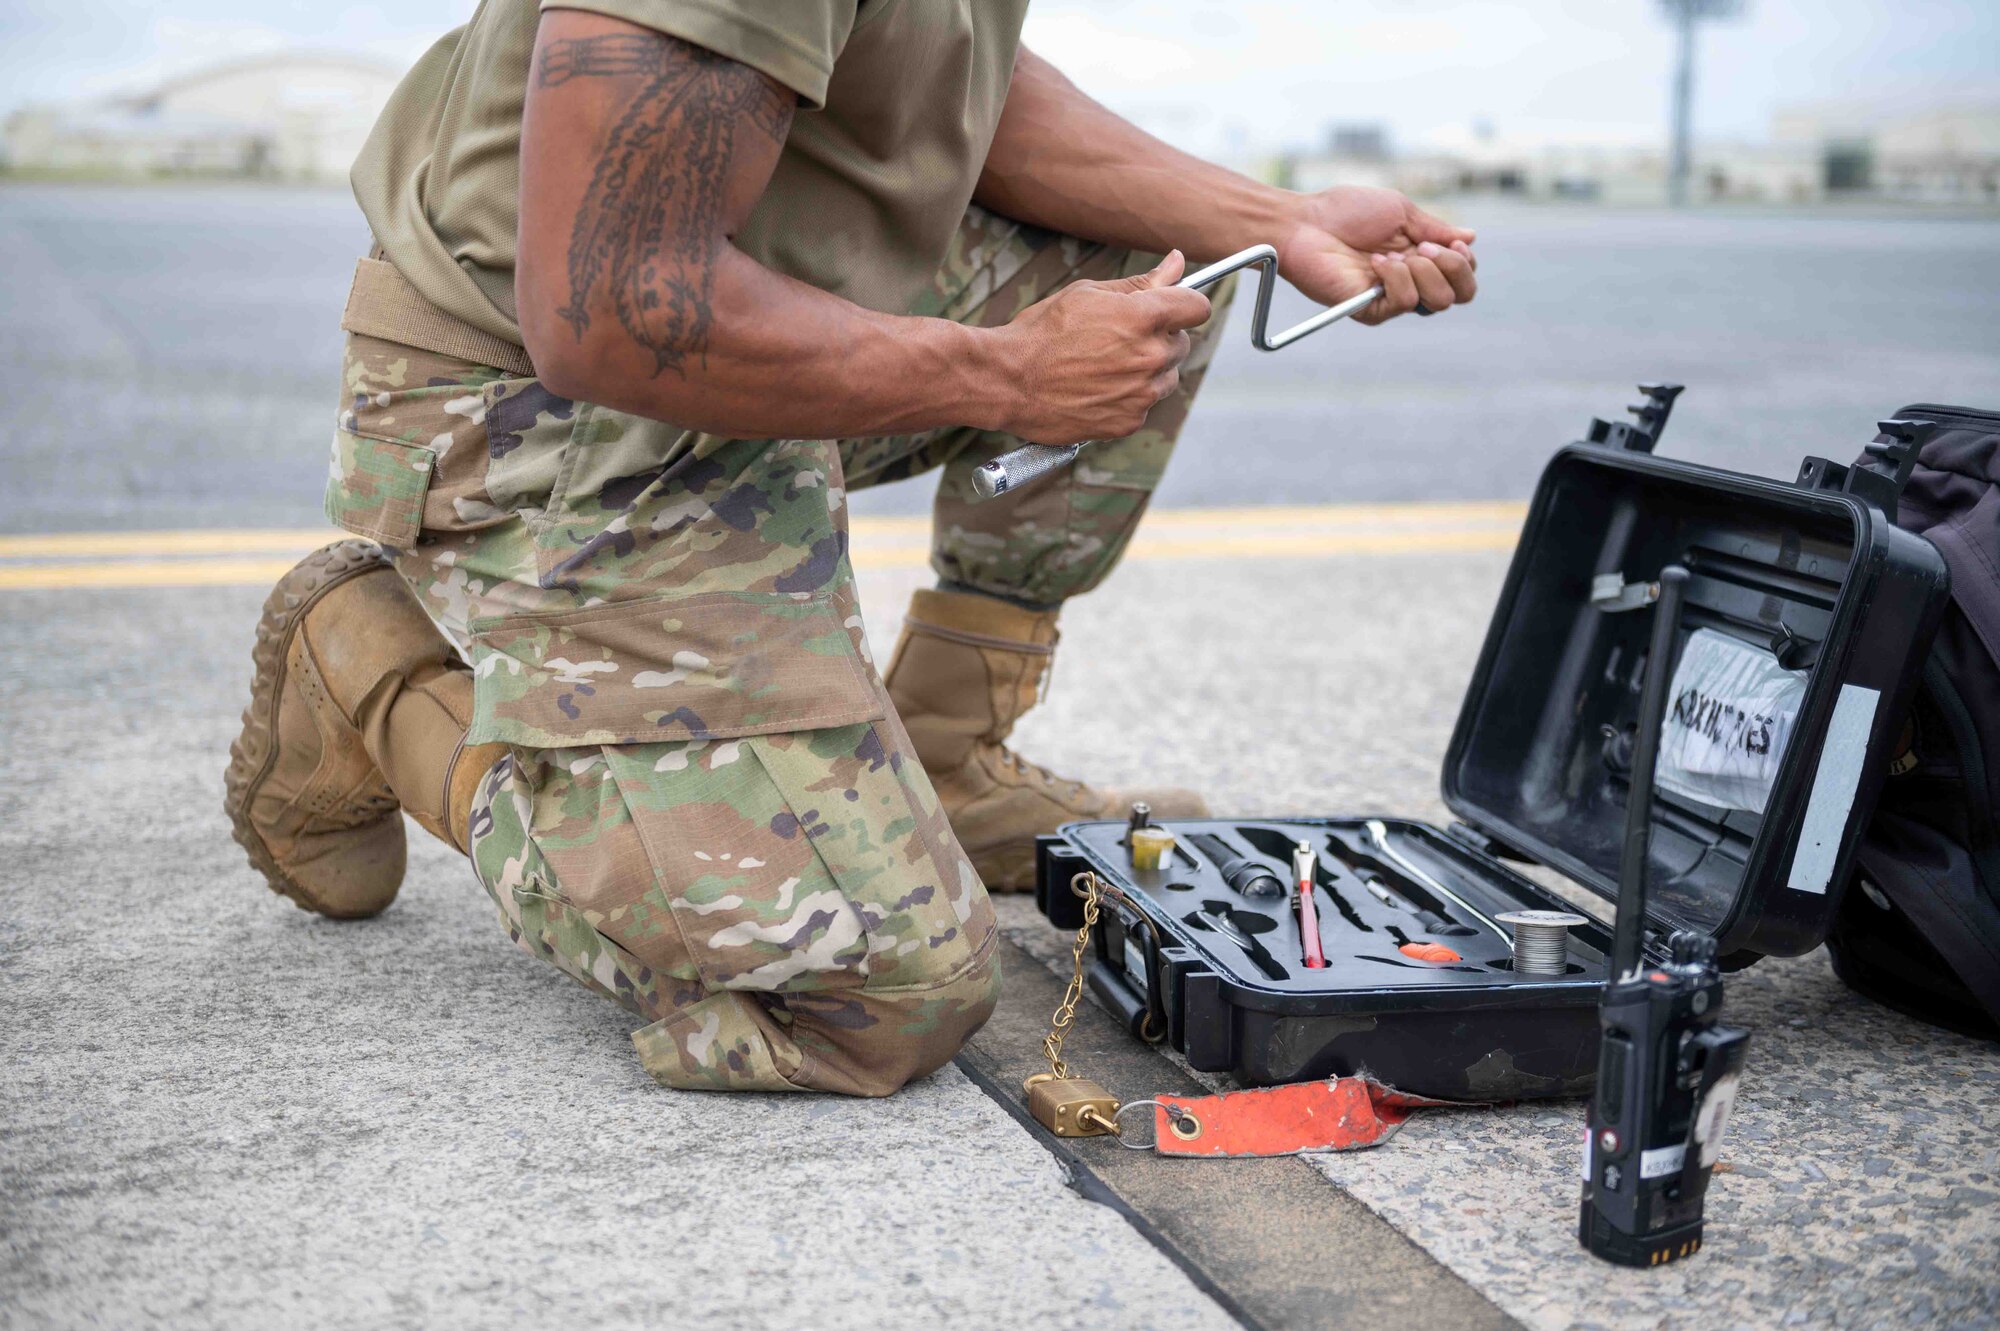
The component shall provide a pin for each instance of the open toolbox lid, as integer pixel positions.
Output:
(1814, 573)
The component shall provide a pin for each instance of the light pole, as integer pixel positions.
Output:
(1684, 14)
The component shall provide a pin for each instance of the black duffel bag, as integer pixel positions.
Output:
(1920, 929)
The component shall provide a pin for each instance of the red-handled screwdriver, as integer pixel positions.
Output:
(1305, 869)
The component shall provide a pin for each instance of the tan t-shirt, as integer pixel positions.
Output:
(901, 100)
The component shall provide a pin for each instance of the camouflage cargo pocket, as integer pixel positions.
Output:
(867, 810)
(512, 869)
(809, 862)
(375, 488)
(548, 927)
(467, 417)
(669, 667)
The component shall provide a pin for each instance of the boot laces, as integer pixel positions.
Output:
(1048, 778)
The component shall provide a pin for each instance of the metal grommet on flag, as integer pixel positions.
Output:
(1179, 1122)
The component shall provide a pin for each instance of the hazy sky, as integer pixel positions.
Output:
(1208, 72)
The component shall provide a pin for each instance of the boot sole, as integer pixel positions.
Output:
(255, 750)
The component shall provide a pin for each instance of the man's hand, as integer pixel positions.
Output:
(1094, 358)
(1061, 161)
(1353, 237)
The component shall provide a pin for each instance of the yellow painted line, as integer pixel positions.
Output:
(146, 573)
(113, 545)
(1483, 510)
(262, 572)
(1331, 543)
(881, 529)
(241, 557)
(1472, 512)
(85, 544)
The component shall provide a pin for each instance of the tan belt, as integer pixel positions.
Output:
(383, 304)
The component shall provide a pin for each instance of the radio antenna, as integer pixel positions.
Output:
(1630, 932)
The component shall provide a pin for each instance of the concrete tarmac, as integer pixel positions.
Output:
(224, 1112)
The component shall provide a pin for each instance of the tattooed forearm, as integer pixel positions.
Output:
(618, 53)
(650, 228)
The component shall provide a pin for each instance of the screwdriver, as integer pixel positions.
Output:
(1305, 866)
(1430, 919)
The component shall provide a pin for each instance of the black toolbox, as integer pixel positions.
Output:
(1813, 572)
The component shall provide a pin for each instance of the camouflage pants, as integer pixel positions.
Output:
(711, 813)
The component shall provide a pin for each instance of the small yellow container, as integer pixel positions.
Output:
(1152, 847)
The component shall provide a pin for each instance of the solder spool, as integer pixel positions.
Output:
(1541, 940)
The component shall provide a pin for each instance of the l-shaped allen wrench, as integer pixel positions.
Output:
(1012, 470)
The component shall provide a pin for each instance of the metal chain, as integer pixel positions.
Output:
(1093, 891)
(1086, 886)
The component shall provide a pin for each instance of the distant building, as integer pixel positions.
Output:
(1366, 142)
(300, 116)
(1949, 154)
(1758, 173)
(1456, 162)
(1595, 173)
(1946, 155)
(1718, 173)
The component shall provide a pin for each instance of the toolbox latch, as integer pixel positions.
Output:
(1642, 435)
(1610, 593)
(1465, 834)
(1469, 836)
(1056, 862)
(1208, 1031)
(1882, 472)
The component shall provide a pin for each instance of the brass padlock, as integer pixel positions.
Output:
(1071, 1106)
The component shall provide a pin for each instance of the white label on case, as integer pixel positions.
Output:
(1662, 1161)
(1712, 1119)
(1834, 784)
(1730, 722)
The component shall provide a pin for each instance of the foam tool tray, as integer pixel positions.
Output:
(1813, 573)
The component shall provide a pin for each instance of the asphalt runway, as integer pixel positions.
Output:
(169, 356)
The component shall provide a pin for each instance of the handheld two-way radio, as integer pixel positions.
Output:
(1666, 1071)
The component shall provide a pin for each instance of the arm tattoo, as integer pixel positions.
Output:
(649, 230)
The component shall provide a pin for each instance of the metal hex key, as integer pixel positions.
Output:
(1012, 470)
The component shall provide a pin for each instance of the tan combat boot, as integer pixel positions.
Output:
(965, 669)
(358, 708)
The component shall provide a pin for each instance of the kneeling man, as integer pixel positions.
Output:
(654, 284)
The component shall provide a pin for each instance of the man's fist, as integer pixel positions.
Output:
(1352, 237)
(1091, 360)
